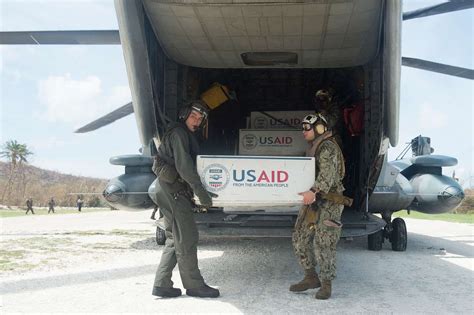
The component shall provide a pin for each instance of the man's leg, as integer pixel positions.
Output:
(302, 240)
(168, 257)
(325, 243)
(186, 238)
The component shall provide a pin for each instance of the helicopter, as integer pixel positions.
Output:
(274, 56)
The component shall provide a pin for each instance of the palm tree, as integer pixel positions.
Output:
(16, 153)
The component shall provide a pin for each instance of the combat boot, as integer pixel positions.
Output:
(166, 292)
(325, 292)
(204, 291)
(310, 281)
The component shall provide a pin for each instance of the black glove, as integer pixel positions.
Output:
(213, 195)
(204, 198)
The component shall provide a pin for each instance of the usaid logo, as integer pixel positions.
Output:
(215, 177)
(260, 123)
(249, 141)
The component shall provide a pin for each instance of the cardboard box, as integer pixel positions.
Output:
(258, 120)
(215, 95)
(256, 181)
(272, 142)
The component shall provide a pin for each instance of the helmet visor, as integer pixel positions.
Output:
(306, 127)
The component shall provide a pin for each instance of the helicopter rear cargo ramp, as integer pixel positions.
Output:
(218, 223)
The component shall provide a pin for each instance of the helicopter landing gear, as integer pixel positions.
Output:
(375, 240)
(160, 231)
(160, 236)
(395, 231)
(398, 237)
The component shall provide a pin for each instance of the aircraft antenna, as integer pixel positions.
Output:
(404, 151)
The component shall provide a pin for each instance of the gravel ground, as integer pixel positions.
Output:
(105, 262)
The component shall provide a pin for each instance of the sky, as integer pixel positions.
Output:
(49, 91)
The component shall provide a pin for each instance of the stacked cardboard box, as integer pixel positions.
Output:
(276, 133)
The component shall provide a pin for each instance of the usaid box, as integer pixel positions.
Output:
(271, 142)
(258, 120)
(256, 181)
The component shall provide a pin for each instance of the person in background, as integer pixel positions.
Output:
(79, 203)
(51, 204)
(154, 213)
(29, 205)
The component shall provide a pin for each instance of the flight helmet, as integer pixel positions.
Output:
(323, 95)
(317, 121)
(196, 105)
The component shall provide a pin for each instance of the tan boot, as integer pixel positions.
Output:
(325, 292)
(310, 281)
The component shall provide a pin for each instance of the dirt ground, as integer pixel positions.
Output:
(105, 262)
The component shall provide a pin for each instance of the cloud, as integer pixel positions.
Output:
(431, 118)
(49, 143)
(78, 101)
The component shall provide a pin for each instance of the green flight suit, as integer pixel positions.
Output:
(179, 147)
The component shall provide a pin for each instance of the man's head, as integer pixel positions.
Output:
(323, 97)
(194, 115)
(313, 126)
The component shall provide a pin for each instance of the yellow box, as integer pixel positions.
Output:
(216, 95)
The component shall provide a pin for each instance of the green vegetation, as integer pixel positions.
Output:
(450, 217)
(9, 259)
(17, 212)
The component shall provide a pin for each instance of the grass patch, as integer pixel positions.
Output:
(450, 217)
(18, 212)
(9, 259)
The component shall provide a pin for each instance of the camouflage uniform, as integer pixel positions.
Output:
(318, 246)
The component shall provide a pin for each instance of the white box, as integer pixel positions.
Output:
(256, 181)
(258, 120)
(272, 142)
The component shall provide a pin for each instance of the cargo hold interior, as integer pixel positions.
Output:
(268, 90)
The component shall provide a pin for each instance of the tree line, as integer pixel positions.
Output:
(19, 180)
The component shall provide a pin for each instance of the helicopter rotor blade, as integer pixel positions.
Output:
(438, 67)
(94, 37)
(119, 113)
(446, 7)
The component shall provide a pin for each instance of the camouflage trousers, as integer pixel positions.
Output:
(317, 246)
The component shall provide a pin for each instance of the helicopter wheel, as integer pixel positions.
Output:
(375, 241)
(160, 236)
(398, 237)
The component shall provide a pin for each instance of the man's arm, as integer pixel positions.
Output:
(186, 166)
(327, 167)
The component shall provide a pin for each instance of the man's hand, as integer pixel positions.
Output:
(205, 200)
(308, 197)
(213, 195)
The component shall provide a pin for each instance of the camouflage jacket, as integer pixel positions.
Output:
(330, 168)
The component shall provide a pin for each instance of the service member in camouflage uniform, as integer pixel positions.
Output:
(315, 242)
(29, 206)
(178, 179)
(51, 204)
(326, 105)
